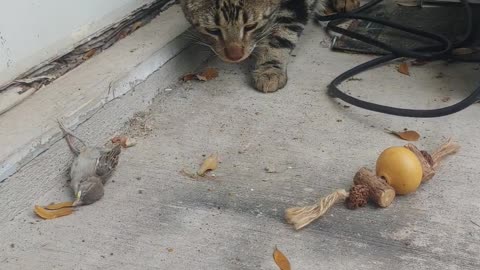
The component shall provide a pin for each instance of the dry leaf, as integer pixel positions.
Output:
(408, 135)
(446, 99)
(186, 173)
(189, 77)
(408, 3)
(419, 62)
(403, 68)
(122, 35)
(463, 51)
(124, 141)
(210, 164)
(58, 206)
(208, 74)
(130, 142)
(137, 25)
(47, 214)
(195, 176)
(89, 54)
(281, 260)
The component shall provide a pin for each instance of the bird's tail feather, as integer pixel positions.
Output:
(71, 139)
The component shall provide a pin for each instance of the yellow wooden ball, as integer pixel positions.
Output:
(401, 169)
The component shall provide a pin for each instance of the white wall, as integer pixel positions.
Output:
(33, 31)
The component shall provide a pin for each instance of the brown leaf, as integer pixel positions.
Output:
(419, 62)
(408, 135)
(403, 68)
(124, 141)
(89, 54)
(463, 51)
(47, 214)
(122, 35)
(208, 74)
(280, 259)
(408, 3)
(189, 77)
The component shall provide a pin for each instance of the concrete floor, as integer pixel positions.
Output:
(152, 217)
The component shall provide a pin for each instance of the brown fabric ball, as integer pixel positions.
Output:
(358, 197)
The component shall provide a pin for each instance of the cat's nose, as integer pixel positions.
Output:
(234, 52)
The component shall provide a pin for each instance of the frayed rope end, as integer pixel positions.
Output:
(300, 217)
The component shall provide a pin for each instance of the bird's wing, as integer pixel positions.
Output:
(107, 162)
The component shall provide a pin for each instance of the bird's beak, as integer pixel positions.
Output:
(77, 201)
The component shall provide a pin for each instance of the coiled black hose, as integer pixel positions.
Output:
(442, 50)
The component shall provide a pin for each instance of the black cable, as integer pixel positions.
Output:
(434, 52)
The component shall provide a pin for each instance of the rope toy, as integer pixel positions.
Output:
(367, 186)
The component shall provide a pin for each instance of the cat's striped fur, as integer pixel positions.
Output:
(270, 29)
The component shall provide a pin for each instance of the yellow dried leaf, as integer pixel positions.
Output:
(47, 214)
(137, 25)
(403, 68)
(281, 260)
(408, 135)
(58, 206)
(210, 164)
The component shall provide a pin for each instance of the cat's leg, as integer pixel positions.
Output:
(270, 72)
(272, 55)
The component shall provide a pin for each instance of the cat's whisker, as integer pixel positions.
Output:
(208, 46)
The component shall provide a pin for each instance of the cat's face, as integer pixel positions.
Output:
(231, 28)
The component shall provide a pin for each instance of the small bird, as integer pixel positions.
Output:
(90, 168)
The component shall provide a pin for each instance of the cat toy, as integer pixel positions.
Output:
(399, 171)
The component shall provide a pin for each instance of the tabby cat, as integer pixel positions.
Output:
(270, 29)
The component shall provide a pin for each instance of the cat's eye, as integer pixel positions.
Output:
(250, 27)
(213, 31)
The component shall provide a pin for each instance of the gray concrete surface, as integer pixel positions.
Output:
(152, 217)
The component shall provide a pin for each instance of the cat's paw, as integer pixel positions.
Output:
(269, 80)
(345, 5)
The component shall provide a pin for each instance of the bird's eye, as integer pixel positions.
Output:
(250, 27)
(213, 31)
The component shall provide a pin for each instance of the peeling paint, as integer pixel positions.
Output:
(74, 22)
